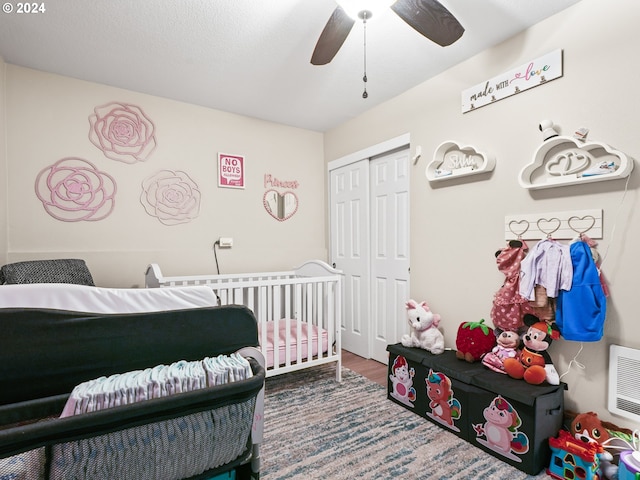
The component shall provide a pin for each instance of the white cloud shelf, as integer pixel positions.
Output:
(453, 160)
(564, 160)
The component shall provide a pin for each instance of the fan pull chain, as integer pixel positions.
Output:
(364, 77)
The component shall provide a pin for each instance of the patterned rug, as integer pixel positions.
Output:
(316, 428)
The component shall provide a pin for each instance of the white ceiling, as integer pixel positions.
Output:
(250, 57)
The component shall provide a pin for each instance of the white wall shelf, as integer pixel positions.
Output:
(451, 160)
(568, 161)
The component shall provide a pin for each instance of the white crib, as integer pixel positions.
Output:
(298, 311)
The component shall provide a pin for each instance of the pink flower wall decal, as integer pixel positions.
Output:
(123, 132)
(73, 190)
(171, 197)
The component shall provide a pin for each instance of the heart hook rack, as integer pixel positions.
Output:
(557, 225)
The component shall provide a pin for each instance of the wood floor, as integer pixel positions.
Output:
(371, 369)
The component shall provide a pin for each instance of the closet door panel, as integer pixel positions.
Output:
(349, 205)
(389, 249)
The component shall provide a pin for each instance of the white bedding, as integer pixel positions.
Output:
(82, 298)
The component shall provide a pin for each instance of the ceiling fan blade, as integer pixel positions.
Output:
(431, 19)
(332, 37)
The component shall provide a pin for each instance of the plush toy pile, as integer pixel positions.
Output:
(588, 428)
(551, 291)
(519, 354)
(528, 311)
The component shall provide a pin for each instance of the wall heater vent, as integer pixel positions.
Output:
(624, 382)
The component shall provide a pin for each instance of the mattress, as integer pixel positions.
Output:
(292, 333)
(83, 298)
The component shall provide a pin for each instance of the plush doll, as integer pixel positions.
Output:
(473, 340)
(534, 364)
(508, 344)
(424, 328)
(588, 428)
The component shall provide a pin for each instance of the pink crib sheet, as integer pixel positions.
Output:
(293, 336)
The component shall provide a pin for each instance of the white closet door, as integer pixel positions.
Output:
(350, 251)
(389, 181)
(370, 243)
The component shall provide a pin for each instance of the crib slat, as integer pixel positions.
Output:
(287, 316)
(251, 298)
(238, 296)
(262, 320)
(319, 317)
(276, 319)
(298, 317)
(309, 310)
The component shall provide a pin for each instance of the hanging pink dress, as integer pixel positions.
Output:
(509, 307)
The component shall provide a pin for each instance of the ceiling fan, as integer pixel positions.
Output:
(428, 17)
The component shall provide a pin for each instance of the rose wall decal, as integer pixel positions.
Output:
(73, 190)
(123, 132)
(171, 197)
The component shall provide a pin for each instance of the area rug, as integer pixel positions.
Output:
(316, 428)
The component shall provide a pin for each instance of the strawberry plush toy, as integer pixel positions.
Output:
(474, 339)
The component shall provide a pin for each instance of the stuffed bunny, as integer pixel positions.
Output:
(424, 328)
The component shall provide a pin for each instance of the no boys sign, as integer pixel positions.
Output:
(230, 170)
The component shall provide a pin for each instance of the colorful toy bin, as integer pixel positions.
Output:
(507, 418)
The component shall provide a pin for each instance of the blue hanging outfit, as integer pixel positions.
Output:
(581, 310)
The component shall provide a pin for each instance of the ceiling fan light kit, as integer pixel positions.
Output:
(356, 9)
(428, 17)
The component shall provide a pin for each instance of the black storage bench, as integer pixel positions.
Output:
(507, 418)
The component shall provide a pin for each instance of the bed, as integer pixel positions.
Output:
(298, 311)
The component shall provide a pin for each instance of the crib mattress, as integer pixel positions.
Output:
(292, 333)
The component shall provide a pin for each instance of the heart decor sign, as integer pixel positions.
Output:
(280, 206)
(568, 163)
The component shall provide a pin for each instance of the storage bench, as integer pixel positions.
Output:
(507, 418)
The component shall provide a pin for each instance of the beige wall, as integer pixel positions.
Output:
(47, 120)
(456, 229)
(3, 169)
